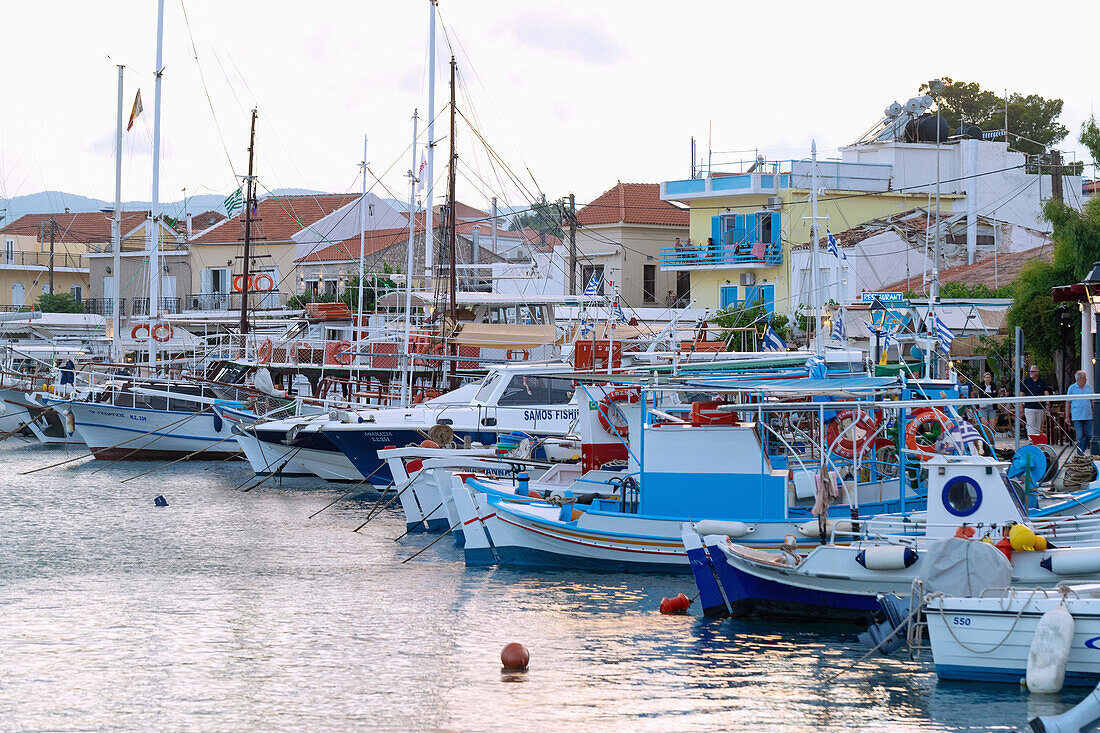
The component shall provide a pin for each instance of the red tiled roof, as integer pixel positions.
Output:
(279, 218)
(375, 241)
(632, 203)
(989, 271)
(206, 219)
(83, 228)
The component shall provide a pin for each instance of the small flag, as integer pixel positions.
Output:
(593, 286)
(420, 173)
(963, 432)
(136, 111)
(619, 313)
(838, 326)
(772, 340)
(943, 333)
(833, 247)
(233, 203)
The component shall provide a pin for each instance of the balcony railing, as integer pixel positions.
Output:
(725, 255)
(104, 306)
(270, 300)
(140, 306)
(41, 259)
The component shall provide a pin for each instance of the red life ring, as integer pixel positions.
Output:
(135, 329)
(916, 420)
(606, 409)
(158, 327)
(264, 276)
(526, 354)
(340, 353)
(263, 354)
(238, 280)
(846, 447)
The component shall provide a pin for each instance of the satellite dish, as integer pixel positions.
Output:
(926, 101)
(893, 110)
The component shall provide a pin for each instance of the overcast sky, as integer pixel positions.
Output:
(578, 94)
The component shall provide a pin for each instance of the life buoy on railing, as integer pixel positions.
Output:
(340, 353)
(263, 354)
(158, 328)
(239, 283)
(919, 418)
(855, 436)
(139, 327)
(611, 417)
(260, 278)
(525, 354)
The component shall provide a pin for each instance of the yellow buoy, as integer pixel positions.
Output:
(1021, 538)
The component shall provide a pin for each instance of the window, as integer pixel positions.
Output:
(764, 226)
(761, 295)
(486, 390)
(683, 289)
(649, 283)
(727, 296)
(536, 390)
(586, 276)
(77, 292)
(9, 251)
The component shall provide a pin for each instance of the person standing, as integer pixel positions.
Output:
(988, 413)
(1033, 386)
(1080, 411)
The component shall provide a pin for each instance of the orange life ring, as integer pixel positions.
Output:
(158, 327)
(237, 280)
(606, 409)
(526, 354)
(340, 353)
(135, 329)
(264, 276)
(263, 354)
(846, 447)
(912, 426)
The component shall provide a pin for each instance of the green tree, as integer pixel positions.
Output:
(59, 303)
(542, 217)
(755, 316)
(1032, 119)
(1090, 138)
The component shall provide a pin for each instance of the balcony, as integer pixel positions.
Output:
(732, 256)
(42, 260)
(104, 307)
(750, 177)
(140, 306)
(268, 300)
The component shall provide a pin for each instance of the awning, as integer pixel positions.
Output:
(620, 331)
(505, 335)
(794, 386)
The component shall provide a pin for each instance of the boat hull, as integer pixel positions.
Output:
(127, 433)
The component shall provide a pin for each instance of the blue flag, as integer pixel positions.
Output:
(619, 313)
(593, 286)
(772, 340)
(833, 247)
(838, 326)
(943, 333)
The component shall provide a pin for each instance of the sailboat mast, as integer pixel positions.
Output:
(429, 230)
(152, 242)
(249, 202)
(452, 229)
(362, 244)
(406, 363)
(815, 274)
(116, 234)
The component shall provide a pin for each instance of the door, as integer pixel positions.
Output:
(18, 295)
(168, 293)
(109, 295)
(727, 296)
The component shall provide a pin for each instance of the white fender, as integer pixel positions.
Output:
(729, 529)
(810, 528)
(886, 557)
(1046, 661)
(1072, 562)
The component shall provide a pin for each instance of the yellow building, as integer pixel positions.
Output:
(742, 226)
(25, 257)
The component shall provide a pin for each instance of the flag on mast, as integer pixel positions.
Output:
(420, 173)
(136, 111)
(833, 247)
(233, 203)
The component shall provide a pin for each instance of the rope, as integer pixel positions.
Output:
(1008, 633)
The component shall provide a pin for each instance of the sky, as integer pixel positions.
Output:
(570, 97)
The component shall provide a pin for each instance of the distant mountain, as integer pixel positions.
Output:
(45, 202)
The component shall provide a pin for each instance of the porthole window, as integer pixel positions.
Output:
(962, 496)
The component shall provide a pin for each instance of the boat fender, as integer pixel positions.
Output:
(1072, 562)
(677, 605)
(1046, 660)
(1022, 538)
(218, 423)
(70, 422)
(892, 557)
(729, 529)
(413, 466)
(811, 529)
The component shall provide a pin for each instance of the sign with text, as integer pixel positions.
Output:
(892, 298)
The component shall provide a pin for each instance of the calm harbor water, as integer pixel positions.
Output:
(234, 611)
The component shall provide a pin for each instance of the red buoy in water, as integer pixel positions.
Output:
(515, 656)
(676, 605)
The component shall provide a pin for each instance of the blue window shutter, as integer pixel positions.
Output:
(777, 231)
(767, 295)
(716, 229)
(728, 296)
(751, 234)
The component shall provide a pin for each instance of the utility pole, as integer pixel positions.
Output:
(53, 232)
(249, 200)
(572, 245)
(452, 226)
(1056, 175)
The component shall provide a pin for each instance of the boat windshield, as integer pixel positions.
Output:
(537, 390)
(487, 387)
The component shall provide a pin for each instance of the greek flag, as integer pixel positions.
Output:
(593, 286)
(963, 432)
(943, 333)
(772, 341)
(619, 313)
(233, 203)
(833, 247)
(838, 326)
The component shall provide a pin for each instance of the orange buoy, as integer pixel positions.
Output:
(428, 444)
(676, 605)
(964, 532)
(532, 494)
(515, 656)
(1005, 546)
